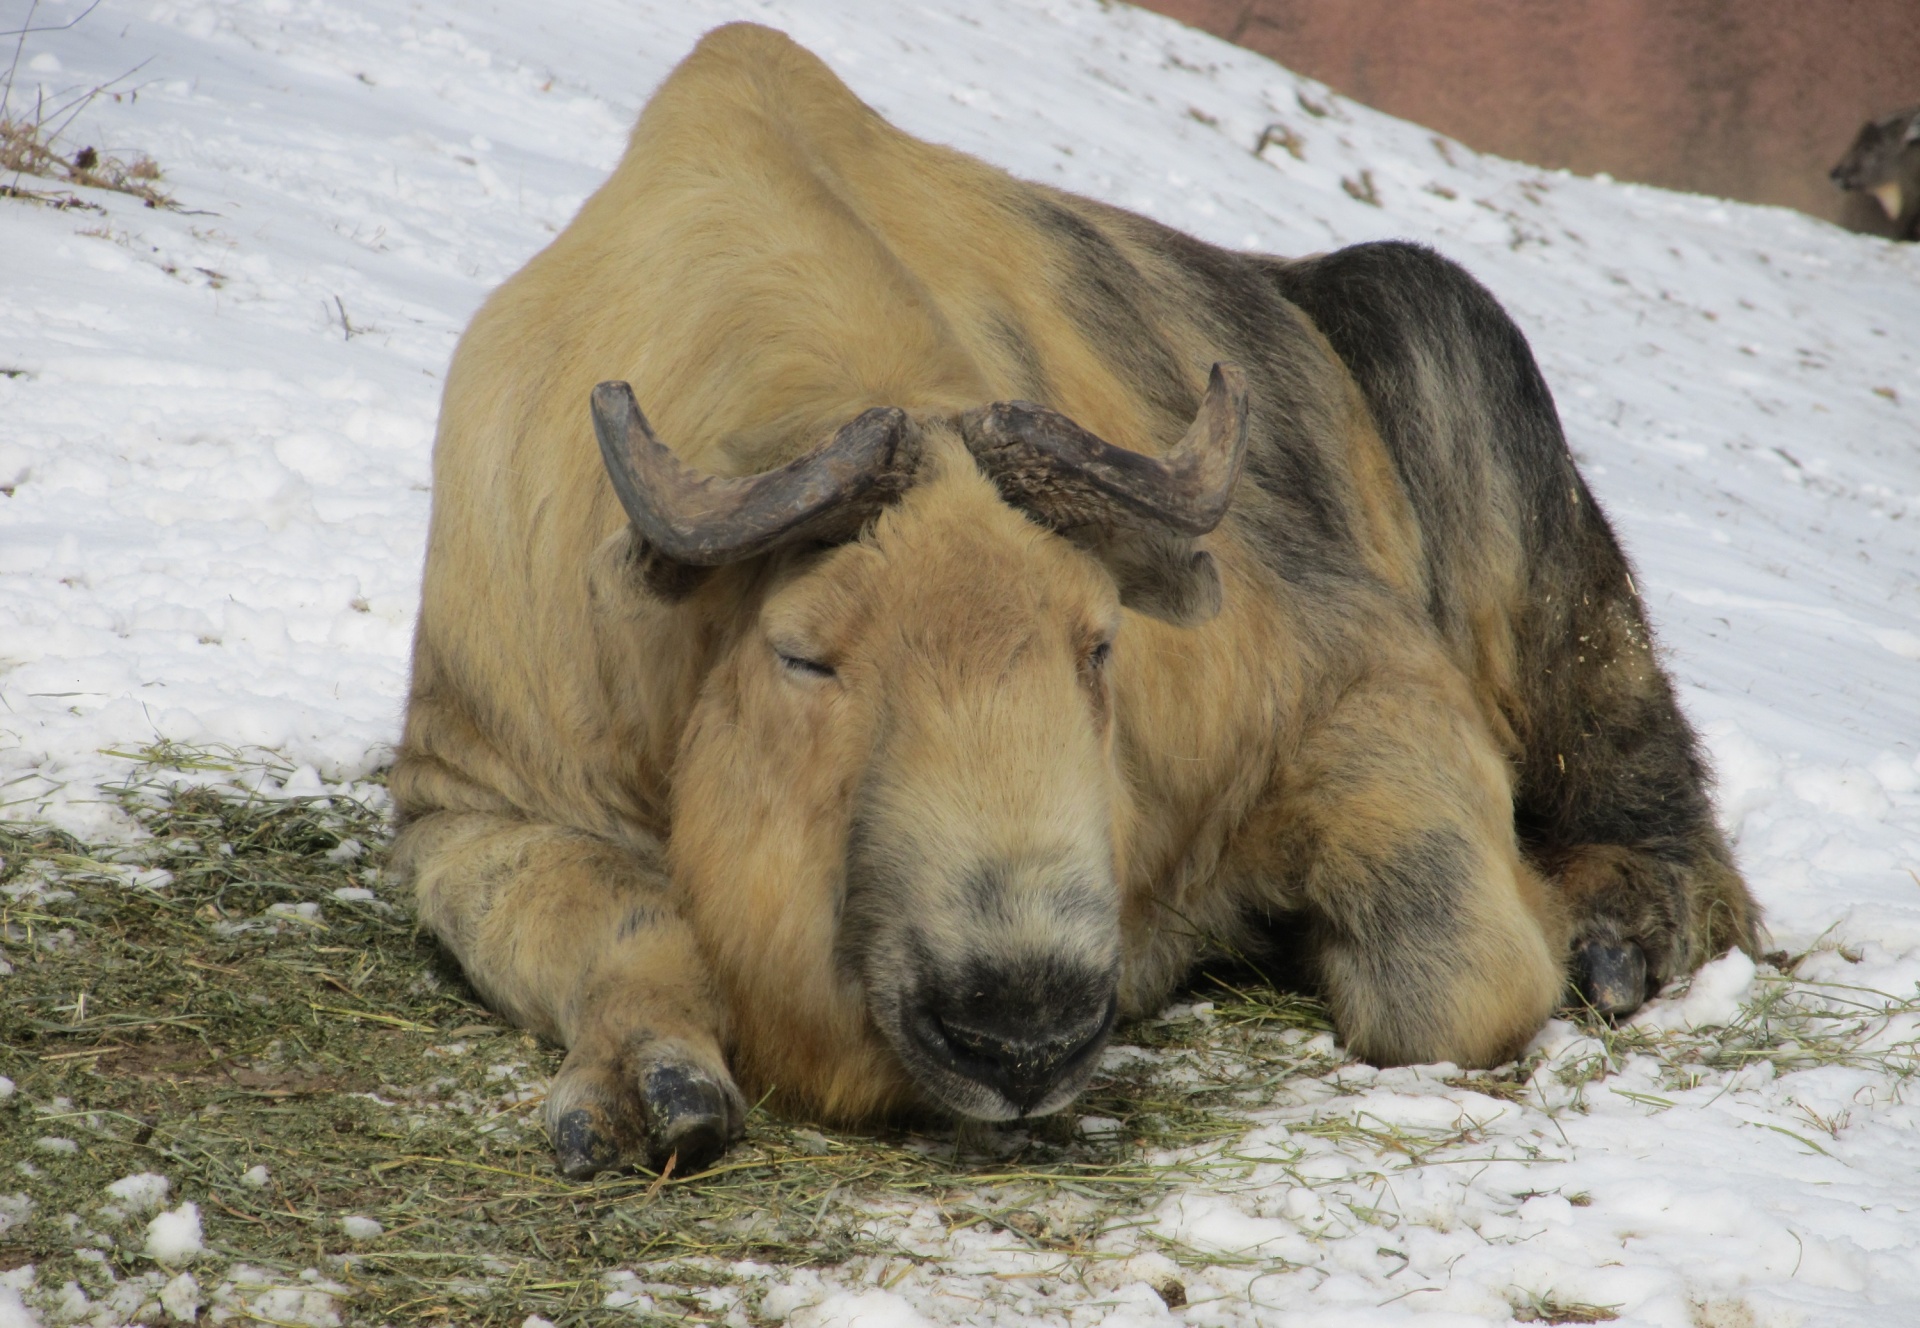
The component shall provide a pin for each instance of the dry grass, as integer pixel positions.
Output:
(243, 1014)
(1787, 1022)
(1547, 1309)
(27, 148)
(31, 141)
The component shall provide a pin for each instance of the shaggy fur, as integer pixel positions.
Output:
(762, 828)
(1881, 174)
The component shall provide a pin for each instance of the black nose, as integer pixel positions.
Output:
(1021, 1057)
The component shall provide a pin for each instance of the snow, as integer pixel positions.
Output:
(14, 1209)
(141, 1193)
(1713, 998)
(864, 1309)
(625, 1291)
(174, 1237)
(180, 1298)
(257, 1294)
(214, 434)
(13, 1310)
(360, 1228)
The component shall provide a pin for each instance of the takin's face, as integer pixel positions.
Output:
(916, 729)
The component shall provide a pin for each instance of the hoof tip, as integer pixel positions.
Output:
(580, 1148)
(1611, 976)
(691, 1118)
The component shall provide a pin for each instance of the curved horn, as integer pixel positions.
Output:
(707, 520)
(1046, 464)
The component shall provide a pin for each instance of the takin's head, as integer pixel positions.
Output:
(897, 790)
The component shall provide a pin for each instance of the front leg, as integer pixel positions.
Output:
(1431, 937)
(577, 939)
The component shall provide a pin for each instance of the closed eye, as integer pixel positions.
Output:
(806, 668)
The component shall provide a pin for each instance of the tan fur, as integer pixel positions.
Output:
(769, 259)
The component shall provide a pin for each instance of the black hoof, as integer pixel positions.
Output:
(1611, 976)
(581, 1148)
(691, 1118)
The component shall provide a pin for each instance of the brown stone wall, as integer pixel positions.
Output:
(1751, 99)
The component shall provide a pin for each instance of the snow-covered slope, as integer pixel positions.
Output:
(214, 434)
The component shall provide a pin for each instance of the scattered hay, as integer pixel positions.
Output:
(1548, 1309)
(246, 989)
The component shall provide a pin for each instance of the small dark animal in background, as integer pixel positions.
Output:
(1881, 174)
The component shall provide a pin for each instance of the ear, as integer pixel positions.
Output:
(1913, 131)
(626, 567)
(1163, 576)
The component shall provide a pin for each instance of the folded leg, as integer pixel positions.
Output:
(577, 939)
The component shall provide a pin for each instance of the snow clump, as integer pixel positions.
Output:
(174, 1237)
(1712, 1001)
(13, 1310)
(142, 1192)
(180, 1298)
(13, 1210)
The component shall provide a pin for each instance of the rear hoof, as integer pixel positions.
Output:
(1611, 976)
(582, 1147)
(690, 1115)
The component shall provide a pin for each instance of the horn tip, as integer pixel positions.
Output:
(1228, 377)
(611, 398)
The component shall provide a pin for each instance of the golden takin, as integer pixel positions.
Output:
(884, 621)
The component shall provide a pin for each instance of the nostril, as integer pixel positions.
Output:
(971, 1041)
(1023, 1065)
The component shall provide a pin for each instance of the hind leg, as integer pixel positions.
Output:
(1613, 803)
(576, 939)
